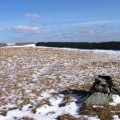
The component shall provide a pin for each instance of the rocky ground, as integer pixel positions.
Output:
(32, 78)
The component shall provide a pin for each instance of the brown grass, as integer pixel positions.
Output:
(26, 118)
(70, 117)
(103, 112)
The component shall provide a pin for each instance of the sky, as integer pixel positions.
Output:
(59, 20)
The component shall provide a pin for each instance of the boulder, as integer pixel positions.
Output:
(97, 98)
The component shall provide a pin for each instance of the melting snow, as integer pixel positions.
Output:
(44, 95)
(45, 112)
(2, 117)
(116, 117)
(116, 100)
(13, 45)
(93, 118)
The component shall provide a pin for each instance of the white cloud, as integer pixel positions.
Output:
(32, 15)
(28, 29)
(90, 34)
(101, 22)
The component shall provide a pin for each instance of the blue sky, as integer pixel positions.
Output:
(59, 20)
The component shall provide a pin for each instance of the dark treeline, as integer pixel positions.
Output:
(82, 45)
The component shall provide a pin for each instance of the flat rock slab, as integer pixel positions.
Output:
(98, 98)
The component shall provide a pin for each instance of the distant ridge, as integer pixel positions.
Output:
(14, 44)
(82, 45)
(3, 44)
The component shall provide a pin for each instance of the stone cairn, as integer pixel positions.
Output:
(101, 91)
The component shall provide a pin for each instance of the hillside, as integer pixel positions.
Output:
(32, 77)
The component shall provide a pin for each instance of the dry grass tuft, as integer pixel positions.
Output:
(103, 112)
(26, 118)
(42, 102)
(70, 117)
(3, 112)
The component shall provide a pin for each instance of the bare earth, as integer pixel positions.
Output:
(26, 72)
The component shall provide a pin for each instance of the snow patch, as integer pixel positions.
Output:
(93, 118)
(13, 45)
(116, 117)
(44, 95)
(45, 112)
(2, 117)
(55, 101)
(116, 100)
(10, 44)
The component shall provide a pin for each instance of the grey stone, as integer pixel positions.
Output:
(115, 90)
(98, 98)
(102, 84)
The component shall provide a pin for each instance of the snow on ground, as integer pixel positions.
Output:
(13, 45)
(116, 100)
(10, 44)
(30, 75)
(93, 118)
(116, 117)
(44, 112)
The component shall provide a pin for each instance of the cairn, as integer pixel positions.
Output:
(100, 92)
(102, 84)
